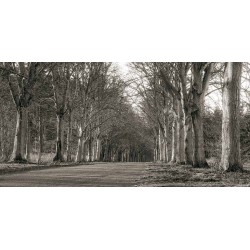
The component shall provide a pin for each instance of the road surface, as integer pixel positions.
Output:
(96, 175)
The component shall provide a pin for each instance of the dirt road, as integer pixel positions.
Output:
(96, 175)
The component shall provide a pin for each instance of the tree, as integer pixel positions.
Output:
(231, 157)
(61, 75)
(21, 78)
(201, 73)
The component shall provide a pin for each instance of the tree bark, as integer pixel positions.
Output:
(98, 149)
(165, 128)
(174, 141)
(181, 135)
(175, 133)
(40, 150)
(185, 104)
(199, 152)
(59, 155)
(90, 148)
(62, 137)
(69, 137)
(160, 144)
(79, 150)
(17, 148)
(231, 158)
(201, 77)
(28, 145)
(155, 149)
(22, 99)
(188, 145)
(24, 133)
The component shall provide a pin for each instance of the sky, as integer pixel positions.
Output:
(212, 101)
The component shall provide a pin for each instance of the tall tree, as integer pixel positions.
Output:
(21, 78)
(201, 73)
(231, 158)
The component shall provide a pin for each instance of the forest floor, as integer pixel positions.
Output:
(163, 175)
(119, 175)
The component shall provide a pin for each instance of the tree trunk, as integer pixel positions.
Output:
(165, 134)
(28, 145)
(181, 135)
(175, 133)
(62, 137)
(84, 149)
(69, 136)
(188, 145)
(79, 150)
(17, 149)
(174, 141)
(231, 158)
(160, 144)
(24, 132)
(201, 73)
(98, 149)
(199, 159)
(186, 110)
(178, 125)
(59, 155)
(181, 143)
(40, 150)
(90, 148)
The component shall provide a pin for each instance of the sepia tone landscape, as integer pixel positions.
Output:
(124, 124)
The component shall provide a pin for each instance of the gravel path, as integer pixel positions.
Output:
(96, 175)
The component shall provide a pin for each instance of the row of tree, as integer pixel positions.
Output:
(76, 111)
(80, 112)
(173, 101)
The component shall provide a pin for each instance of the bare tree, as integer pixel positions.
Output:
(201, 73)
(231, 158)
(21, 78)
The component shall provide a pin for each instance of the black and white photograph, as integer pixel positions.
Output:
(124, 124)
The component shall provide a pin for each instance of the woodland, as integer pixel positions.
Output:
(174, 113)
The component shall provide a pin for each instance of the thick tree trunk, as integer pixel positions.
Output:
(188, 145)
(199, 159)
(17, 149)
(201, 76)
(186, 110)
(59, 155)
(231, 158)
